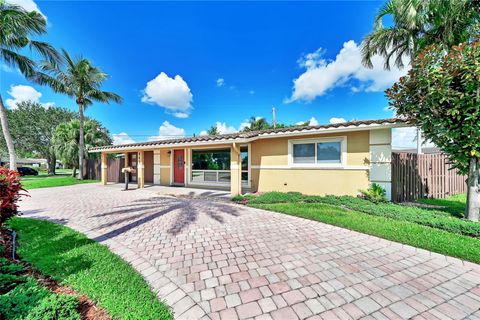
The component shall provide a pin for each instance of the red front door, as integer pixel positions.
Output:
(178, 166)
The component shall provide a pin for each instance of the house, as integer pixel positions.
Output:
(335, 159)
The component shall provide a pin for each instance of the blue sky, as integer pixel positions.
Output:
(182, 67)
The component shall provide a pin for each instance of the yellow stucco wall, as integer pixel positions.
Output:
(164, 171)
(275, 175)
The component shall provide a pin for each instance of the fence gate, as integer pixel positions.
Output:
(114, 169)
(416, 176)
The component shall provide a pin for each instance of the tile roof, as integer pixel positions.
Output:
(252, 134)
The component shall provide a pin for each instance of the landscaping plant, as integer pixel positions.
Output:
(375, 193)
(10, 193)
(441, 95)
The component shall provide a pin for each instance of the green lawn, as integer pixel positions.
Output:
(88, 267)
(439, 230)
(45, 181)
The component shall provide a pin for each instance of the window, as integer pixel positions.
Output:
(317, 152)
(244, 157)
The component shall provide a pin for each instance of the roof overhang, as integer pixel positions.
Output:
(275, 133)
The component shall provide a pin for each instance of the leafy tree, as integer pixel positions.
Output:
(32, 127)
(418, 24)
(80, 79)
(441, 95)
(17, 26)
(66, 139)
(257, 124)
(212, 131)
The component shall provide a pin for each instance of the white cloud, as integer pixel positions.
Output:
(220, 82)
(243, 125)
(204, 133)
(168, 131)
(21, 93)
(313, 122)
(122, 138)
(28, 5)
(337, 120)
(406, 138)
(171, 93)
(322, 75)
(222, 128)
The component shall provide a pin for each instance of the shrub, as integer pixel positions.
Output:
(10, 192)
(58, 307)
(277, 197)
(375, 193)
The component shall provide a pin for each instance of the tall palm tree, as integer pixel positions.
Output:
(417, 24)
(257, 124)
(81, 80)
(17, 26)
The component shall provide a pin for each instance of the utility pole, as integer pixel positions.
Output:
(274, 117)
(419, 141)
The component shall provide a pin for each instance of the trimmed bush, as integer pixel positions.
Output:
(443, 220)
(58, 307)
(10, 192)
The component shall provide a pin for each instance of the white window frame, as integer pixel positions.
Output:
(343, 151)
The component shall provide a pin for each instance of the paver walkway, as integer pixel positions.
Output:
(213, 260)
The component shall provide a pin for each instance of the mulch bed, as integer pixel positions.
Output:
(86, 307)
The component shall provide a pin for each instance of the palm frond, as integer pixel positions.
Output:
(46, 51)
(14, 59)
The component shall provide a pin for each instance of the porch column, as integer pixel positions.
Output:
(104, 168)
(381, 159)
(156, 166)
(141, 170)
(125, 163)
(235, 171)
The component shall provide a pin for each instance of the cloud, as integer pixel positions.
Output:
(406, 138)
(168, 131)
(122, 138)
(173, 94)
(21, 93)
(28, 5)
(204, 133)
(337, 120)
(311, 122)
(222, 128)
(220, 82)
(322, 75)
(251, 92)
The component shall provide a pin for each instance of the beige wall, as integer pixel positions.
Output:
(270, 170)
(164, 170)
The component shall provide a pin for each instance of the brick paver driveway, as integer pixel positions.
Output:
(209, 259)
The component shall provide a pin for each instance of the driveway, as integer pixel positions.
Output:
(214, 260)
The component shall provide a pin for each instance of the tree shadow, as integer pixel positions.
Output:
(187, 210)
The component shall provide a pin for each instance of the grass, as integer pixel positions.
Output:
(439, 229)
(443, 242)
(46, 181)
(89, 268)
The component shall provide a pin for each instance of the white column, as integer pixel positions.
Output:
(156, 166)
(381, 159)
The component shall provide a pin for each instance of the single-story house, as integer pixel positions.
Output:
(335, 159)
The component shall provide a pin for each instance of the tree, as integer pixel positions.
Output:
(212, 131)
(256, 124)
(66, 139)
(79, 79)
(417, 24)
(17, 26)
(32, 126)
(441, 95)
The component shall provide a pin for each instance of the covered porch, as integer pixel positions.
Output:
(221, 167)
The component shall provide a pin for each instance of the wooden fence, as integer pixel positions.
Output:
(93, 169)
(416, 176)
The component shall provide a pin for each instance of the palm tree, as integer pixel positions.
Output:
(417, 24)
(213, 131)
(78, 79)
(66, 136)
(17, 26)
(256, 124)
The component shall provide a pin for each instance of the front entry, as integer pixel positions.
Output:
(178, 166)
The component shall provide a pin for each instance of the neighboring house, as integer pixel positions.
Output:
(335, 159)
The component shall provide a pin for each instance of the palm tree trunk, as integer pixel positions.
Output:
(74, 171)
(8, 137)
(81, 143)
